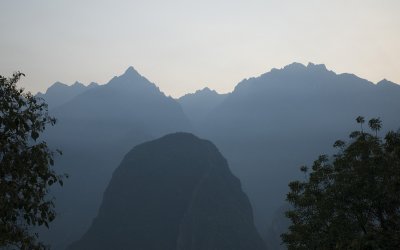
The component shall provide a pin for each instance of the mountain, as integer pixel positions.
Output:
(272, 124)
(173, 193)
(266, 128)
(95, 130)
(279, 225)
(130, 99)
(199, 104)
(60, 93)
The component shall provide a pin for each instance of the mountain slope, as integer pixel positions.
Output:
(173, 193)
(94, 130)
(130, 98)
(272, 124)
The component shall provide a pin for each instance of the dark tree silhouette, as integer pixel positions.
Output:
(375, 124)
(361, 120)
(25, 166)
(351, 201)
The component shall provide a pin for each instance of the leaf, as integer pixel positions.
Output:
(34, 135)
(338, 144)
(360, 119)
(354, 134)
(304, 169)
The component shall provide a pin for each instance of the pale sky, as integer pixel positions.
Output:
(187, 45)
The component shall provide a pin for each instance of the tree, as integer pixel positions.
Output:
(351, 201)
(25, 166)
(360, 120)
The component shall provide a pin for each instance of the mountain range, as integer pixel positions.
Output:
(272, 124)
(60, 93)
(267, 127)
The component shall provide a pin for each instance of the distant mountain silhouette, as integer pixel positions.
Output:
(199, 104)
(94, 130)
(60, 93)
(267, 127)
(130, 98)
(173, 193)
(271, 124)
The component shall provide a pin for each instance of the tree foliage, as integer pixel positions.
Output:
(25, 166)
(351, 201)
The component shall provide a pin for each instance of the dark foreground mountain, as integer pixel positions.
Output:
(95, 130)
(173, 193)
(272, 124)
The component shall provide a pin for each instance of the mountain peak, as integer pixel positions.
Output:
(129, 74)
(206, 90)
(310, 66)
(78, 84)
(384, 82)
(313, 66)
(133, 82)
(93, 84)
(131, 71)
(58, 84)
(387, 84)
(295, 66)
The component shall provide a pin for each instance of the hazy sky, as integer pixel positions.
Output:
(186, 45)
